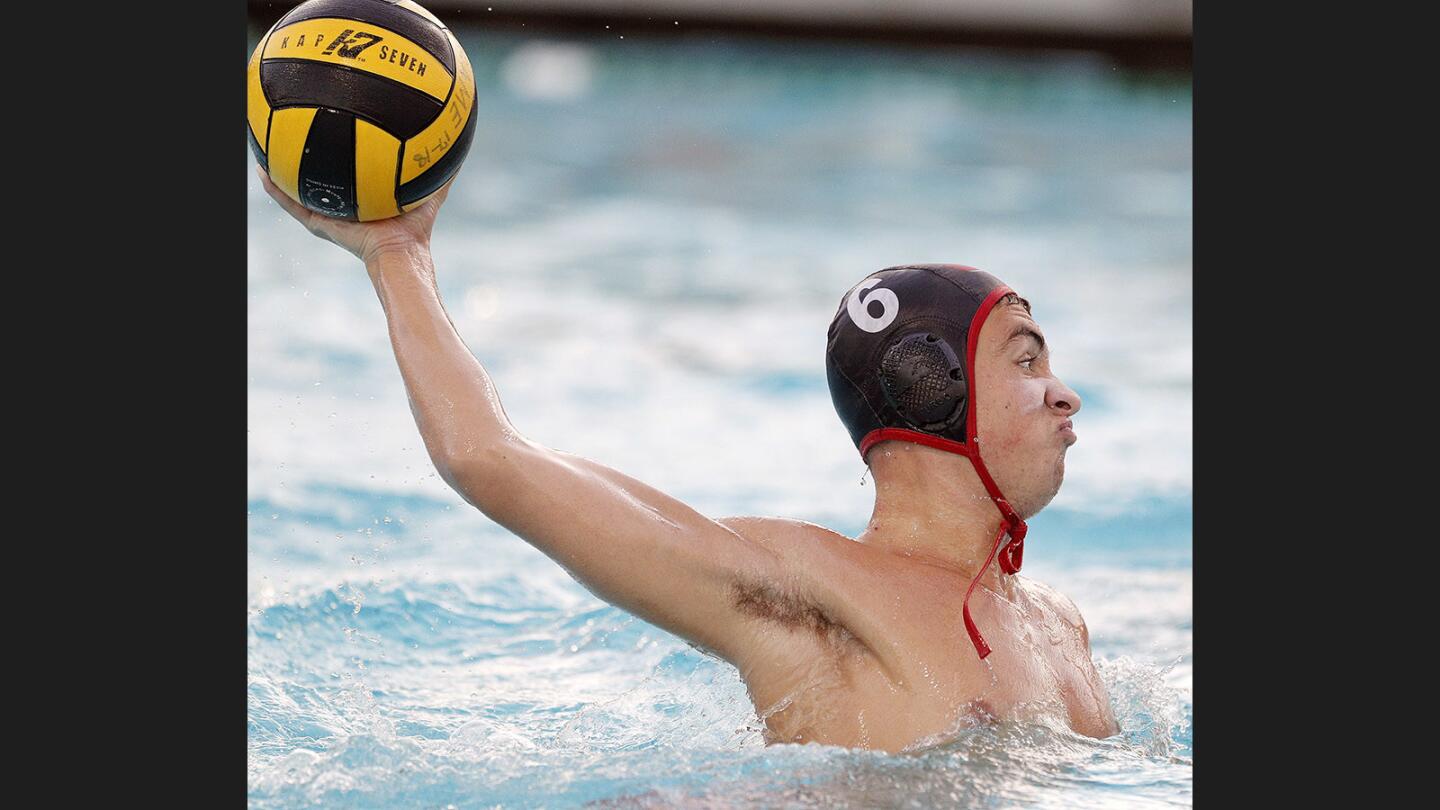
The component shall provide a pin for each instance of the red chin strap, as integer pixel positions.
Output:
(1014, 553)
(1011, 556)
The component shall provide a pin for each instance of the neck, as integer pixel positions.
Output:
(931, 506)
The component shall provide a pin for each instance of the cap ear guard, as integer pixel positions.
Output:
(924, 381)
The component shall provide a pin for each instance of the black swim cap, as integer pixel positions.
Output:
(901, 365)
(898, 349)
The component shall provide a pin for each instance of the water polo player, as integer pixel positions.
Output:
(918, 626)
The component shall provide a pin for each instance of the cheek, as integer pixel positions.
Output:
(1006, 416)
(1029, 396)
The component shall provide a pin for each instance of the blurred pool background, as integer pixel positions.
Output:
(644, 248)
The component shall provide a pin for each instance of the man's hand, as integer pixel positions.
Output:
(366, 240)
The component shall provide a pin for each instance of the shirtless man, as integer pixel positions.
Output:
(872, 642)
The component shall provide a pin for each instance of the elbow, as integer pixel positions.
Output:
(457, 457)
(478, 473)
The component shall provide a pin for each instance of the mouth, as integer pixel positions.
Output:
(1067, 429)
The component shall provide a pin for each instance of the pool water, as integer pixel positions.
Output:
(644, 249)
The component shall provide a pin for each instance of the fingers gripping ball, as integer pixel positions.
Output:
(360, 109)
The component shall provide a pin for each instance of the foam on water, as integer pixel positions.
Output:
(503, 695)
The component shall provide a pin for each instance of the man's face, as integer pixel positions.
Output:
(1023, 410)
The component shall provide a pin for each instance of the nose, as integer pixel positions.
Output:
(1062, 398)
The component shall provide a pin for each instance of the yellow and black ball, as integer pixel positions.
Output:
(360, 109)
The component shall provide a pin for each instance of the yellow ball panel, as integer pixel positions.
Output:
(288, 130)
(375, 153)
(257, 111)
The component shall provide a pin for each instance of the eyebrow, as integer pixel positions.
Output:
(1023, 331)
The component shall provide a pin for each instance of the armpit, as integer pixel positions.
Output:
(777, 596)
(788, 609)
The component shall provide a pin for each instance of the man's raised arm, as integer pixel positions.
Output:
(628, 543)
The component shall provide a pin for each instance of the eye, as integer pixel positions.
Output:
(1025, 364)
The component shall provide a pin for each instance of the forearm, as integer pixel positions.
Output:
(455, 405)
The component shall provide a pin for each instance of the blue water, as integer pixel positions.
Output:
(644, 248)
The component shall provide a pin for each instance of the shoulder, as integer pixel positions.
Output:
(823, 559)
(1061, 604)
(796, 541)
(779, 526)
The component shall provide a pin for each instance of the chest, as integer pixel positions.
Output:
(1039, 666)
(930, 682)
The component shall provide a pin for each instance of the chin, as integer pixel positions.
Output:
(1032, 506)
